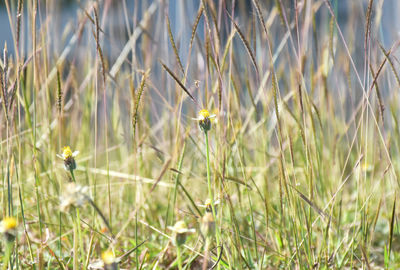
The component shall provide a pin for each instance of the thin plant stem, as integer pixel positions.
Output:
(210, 191)
(9, 246)
(206, 253)
(76, 244)
(72, 175)
(179, 258)
(78, 221)
(77, 234)
(60, 234)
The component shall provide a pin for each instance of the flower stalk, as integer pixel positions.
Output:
(205, 125)
(180, 232)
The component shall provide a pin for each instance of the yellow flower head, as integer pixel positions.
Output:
(208, 202)
(180, 227)
(180, 231)
(69, 158)
(208, 205)
(204, 119)
(8, 224)
(367, 167)
(108, 257)
(67, 152)
(8, 227)
(203, 114)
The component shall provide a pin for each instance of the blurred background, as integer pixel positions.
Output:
(294, 140)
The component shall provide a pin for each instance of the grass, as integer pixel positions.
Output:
(303, 155)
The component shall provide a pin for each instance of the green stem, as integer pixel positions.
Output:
(77, 236)
(178, 254)
(76, 243)
(210, 191)
(60, 234)
(78, 220)
(9, 246)
(72, 175)
(177, 179)
(136, 241)
(206, 252)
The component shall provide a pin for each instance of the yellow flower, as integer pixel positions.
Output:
(180, 231)
(8, 224)
(204, 119)
(180, 227)
(203, 114)
(8, 228)
(109, 260)
(367, 167)
(108, 257)
(69, 158)
(208, 205)
(67, 152)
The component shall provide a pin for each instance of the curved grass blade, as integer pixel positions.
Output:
(178, 82)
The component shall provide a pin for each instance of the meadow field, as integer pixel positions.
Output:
(204, 134)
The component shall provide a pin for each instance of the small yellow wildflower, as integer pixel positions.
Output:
(180, 232)
(8, 223)
(108, 257)
(208, 205)
(367, 167)
(109, 260)
(180, 227)
(203, 114)
(69, 158)
(8, 227)
(204, 119)
(67, 152)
